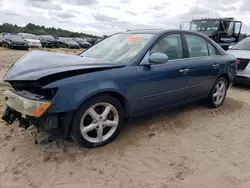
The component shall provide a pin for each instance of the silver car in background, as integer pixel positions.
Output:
(32, 40)
(241, 51)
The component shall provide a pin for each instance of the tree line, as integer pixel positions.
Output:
(41, 30)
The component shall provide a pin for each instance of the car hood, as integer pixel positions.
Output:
(73, 43)
(38, 64)
(83, 42)
(33, 40)
(19, 41)
(244, 54)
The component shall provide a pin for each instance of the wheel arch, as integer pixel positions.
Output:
(117, 95)
(226, 76)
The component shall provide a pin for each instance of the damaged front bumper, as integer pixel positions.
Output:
(31, 111)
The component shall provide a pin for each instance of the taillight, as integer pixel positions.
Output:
(237, 61)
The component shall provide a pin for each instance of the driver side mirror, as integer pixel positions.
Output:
(158, 58)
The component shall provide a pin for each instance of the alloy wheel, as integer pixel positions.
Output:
(99, 122)
(219, 92)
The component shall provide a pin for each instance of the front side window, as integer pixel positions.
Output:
(119, 48)
(197, 46)
(170, 45)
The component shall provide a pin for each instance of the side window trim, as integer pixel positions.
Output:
(208, 48)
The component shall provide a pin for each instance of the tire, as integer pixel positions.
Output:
(217, 97)
(114, 118)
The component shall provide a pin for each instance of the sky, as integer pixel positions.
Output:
(104, 17)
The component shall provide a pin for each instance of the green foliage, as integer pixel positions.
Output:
(40, 30)
(243, 35)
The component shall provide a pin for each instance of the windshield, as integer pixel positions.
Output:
(29, 36)
(119, 48)
(68, 40)
(204, 25)
(80, 40)
(47, 37)
(242, 45)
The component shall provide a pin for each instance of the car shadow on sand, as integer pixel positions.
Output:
(168, 121)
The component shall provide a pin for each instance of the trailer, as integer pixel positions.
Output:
(224, 31)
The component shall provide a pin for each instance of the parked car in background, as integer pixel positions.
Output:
(48, 41)
(82, 42)
(89, 96)
(67, 43)
(32, 40)
(91, 40)
(98, 40)
(241, 50)
(1, 39)
(14, 41)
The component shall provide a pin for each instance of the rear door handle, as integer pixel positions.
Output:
(184, 71)
(216, 65)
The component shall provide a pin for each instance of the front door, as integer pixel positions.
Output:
(161, 85)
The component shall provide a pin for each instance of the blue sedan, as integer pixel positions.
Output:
(88, 97)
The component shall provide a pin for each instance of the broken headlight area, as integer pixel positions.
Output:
(26, 106)
(35, 89)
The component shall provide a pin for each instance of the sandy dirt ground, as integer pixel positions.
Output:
(190, 147)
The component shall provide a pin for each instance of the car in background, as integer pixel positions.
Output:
(47, 41)
(241, 51)
(88, 96)
(32, 40)
(14, 41)
(66, 42)
(91, 40)
(1, 39)
(82, 42)
(98, 40)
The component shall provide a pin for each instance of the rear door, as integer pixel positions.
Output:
(203, 64)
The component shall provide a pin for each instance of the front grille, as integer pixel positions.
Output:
(242, 64)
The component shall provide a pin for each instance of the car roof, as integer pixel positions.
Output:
(157, 31)
(150, 31)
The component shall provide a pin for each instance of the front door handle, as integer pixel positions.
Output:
(184, 71)
(216, 65)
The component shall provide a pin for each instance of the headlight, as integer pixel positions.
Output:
(26, 106)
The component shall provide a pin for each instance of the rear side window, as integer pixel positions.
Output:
(197, 46)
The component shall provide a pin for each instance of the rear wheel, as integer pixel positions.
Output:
(97, 122)
(218, 93)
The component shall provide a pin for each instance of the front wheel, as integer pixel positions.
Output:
(97, 122)
(218, 93)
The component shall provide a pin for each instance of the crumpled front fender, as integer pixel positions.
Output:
(70, 97)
